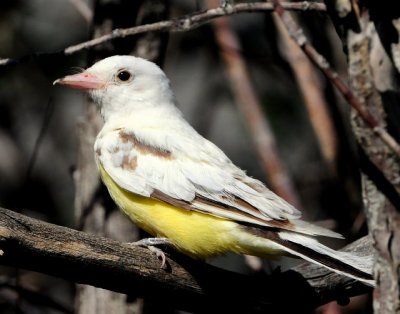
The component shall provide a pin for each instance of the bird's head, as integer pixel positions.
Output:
(122, 84)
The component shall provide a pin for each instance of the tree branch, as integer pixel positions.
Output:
(84, 258)
(249, 105)
(311, 90)
(83, 9)
(180, 24)
(298, 36)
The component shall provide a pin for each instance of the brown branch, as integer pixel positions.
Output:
(298, 36)
(186, 284)
(248, 103)
(366, 31)
(83, 9)
(181, 24)
(311, 90)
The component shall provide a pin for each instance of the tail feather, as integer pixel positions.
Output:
(346, 263)
(304, 227)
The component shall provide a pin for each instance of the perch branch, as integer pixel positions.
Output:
(88, 259)
(184, 23)
(298, 36)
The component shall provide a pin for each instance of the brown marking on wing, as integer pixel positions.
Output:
(98, 152)
(191, 206)
(256, 186)
(144, 148)
(129, 163)
(284, 224)
(125, 137)
(242, 203)
(160, 196)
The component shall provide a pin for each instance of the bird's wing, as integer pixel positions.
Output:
(192, 173)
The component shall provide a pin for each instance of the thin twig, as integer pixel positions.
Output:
(249, 105)
(184, 23)
(45, 124)
(298, 36)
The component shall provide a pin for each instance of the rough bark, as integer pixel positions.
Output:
(370, 38)
(95, 212)
(184, 284)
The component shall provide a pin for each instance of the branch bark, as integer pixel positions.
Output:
(95, 214)
(368, 32)
(186, 284)
(298, 36)
(181, 24)
(194, 20)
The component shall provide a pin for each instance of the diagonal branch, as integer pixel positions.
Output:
(181, 24)
(83, 9)
(186, 284)
(310, 88)
(298, 36)
(194, 20)
(248, 103)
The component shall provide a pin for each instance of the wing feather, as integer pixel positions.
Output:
(194, 174)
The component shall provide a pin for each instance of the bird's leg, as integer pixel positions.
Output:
(150, 243)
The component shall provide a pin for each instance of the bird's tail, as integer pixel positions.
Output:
(345, 263)
(308, 248)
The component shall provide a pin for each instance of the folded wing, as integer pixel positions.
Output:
(194, 174)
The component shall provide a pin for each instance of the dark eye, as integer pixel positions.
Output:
(124, 76)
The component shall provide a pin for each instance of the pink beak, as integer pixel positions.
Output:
(82, 80)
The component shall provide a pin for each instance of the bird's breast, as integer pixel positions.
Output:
(195, 234)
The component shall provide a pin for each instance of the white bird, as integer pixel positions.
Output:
(183, 189)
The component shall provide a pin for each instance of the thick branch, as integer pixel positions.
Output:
(84, 258)
(184, 23)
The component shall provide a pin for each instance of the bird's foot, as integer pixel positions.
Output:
(150, 243)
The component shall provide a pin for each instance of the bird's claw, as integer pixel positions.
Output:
(159, 253)
(150, 244)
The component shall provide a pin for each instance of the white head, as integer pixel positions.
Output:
(123, 84)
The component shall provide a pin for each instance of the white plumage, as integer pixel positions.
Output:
(148, 149)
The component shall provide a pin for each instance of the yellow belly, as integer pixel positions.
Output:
(195, 234)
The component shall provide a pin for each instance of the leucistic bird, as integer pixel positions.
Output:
(183, 189)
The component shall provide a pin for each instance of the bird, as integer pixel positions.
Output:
(180, 187)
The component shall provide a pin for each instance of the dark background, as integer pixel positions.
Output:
(38, 137)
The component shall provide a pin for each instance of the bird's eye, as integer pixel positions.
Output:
(124, 76)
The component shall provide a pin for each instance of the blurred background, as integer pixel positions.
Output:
(39, 140)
